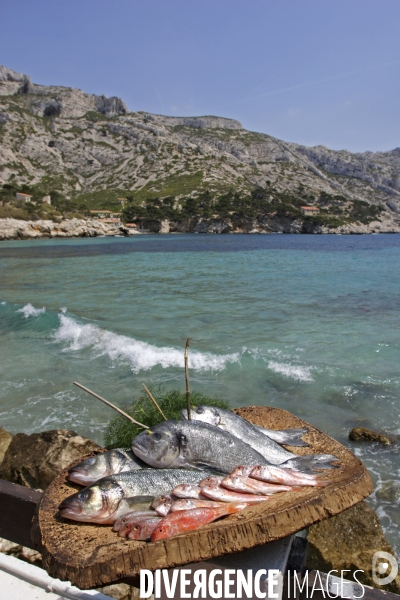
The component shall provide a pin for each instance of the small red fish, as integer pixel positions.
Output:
(162, 505)
(253, 486)
(188, 520)
(137, 522)
(216, 492)
(189, 503)
(143, 530)
(273, 474)
(187, 490)
(130, 516)
(242, 471)
(210, 481)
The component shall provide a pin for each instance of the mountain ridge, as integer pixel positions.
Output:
(86, 147)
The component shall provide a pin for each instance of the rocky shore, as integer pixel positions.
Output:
(15, 229)
(345, 541)
(270, 225)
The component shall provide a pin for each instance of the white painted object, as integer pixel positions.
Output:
(21, 581)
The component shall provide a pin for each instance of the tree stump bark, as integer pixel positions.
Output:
(92, 555)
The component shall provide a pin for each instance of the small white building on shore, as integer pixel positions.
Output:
(23, 197)
(309, 210)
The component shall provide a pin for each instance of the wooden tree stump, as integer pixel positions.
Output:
(92, 555)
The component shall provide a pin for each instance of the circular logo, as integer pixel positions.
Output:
(384, 568)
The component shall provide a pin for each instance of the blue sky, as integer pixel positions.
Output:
(308, 71)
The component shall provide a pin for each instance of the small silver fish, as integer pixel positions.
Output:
(107, 463)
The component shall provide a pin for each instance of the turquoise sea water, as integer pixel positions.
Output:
(306, 323)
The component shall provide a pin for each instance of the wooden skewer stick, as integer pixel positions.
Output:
(154, 402)
(187, 378)
(121, 412)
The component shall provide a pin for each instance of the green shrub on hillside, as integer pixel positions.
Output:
(120, 431)
(364, 212)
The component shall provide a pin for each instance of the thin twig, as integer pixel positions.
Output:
(187, 378)
(154, 402)
(121, 412)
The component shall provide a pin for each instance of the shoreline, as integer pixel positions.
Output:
(14, 229)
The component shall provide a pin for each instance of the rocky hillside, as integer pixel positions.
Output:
(186, 173)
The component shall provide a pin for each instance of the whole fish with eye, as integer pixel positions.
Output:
(248, 485)
(219, 494)
(174, 444)
(229, 421)
(189, 503)
(141, 528)
(162, 504)
(109, 498)
(188, 520)
(107, 463)
(177, 444)
(129, 517)
(144, 529)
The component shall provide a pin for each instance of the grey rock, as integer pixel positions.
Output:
(22, 552)
(12, 229)
(7, 74)
(110, 106)
(204, 122)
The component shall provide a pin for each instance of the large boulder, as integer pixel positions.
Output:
(362, 434)
(349, 541)
(5, 441)
(35, 460)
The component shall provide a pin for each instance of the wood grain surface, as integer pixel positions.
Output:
(92, 555)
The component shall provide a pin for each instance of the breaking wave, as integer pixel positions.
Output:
(296, 372)
(30, 311)
(141, 356)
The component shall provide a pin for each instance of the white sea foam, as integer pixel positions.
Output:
(141, 356)
(30, 311)
(291, 371)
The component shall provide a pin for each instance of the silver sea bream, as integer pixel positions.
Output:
(229, 421)
(176, 444)
(109, 498)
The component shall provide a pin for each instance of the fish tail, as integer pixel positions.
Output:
(307, 464)
(289, 437)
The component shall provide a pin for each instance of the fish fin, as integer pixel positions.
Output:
(307, 464)
(135, 501)
(206, 467)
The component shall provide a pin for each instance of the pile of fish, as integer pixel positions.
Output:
(195, 477)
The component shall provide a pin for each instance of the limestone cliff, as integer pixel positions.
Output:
(79, 143)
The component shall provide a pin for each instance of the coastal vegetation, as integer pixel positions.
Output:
(120, 431)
